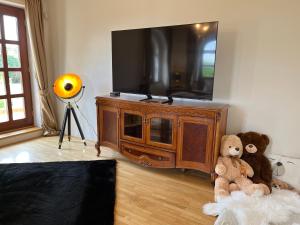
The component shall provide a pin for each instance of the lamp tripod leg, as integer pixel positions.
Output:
(62, 131)
(69, 122)
(78, 125)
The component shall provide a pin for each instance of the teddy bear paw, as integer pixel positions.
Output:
(222, 194)
(233, 187)
(220, 169)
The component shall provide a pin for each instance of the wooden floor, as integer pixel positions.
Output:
(145, 196)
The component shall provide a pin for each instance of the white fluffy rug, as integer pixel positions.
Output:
(282, 207)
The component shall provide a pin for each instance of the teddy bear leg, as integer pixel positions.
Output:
(248, 187)
(265, 188)
(279, 184)
(221, 188)
(233, 187)
(264, 184)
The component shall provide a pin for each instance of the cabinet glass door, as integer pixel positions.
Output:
(132, 126)
(161, 131)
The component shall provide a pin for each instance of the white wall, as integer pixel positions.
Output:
(258, 67)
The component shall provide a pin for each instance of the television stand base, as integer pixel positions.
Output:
(149, 97)
(169, 101)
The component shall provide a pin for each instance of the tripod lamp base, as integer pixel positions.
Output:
(67, 119)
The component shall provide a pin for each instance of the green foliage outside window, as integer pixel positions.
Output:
(208, 71)
(2, 105)
(14, 78)
(13, 62)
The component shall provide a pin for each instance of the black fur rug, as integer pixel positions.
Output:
(58, 193)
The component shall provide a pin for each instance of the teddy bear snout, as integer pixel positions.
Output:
(234, 151)
(251, 148)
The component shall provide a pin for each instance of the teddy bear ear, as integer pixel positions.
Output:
(239, 135)
(266, 138)
(224, 138)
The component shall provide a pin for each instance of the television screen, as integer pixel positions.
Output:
(177, 61)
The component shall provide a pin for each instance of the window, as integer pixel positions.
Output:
(209, 58)
(15, 91)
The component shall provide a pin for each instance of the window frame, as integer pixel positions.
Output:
(24, 69)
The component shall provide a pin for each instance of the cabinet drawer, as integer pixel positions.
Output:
(147, 156)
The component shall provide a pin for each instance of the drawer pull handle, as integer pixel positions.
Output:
(146, 164)
(144, 161)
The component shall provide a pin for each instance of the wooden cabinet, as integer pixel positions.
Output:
(195, 141)
(186, 134)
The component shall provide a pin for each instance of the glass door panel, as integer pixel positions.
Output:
(161, 130)
(13, 56)
(133, 125)
(18, 108)
(2, 84)
(3, 111)
(1, 57)
(15, 82)
(10, 28)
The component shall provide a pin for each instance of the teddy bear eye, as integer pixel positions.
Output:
(229, 146)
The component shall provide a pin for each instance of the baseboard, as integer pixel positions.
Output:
(20, 136)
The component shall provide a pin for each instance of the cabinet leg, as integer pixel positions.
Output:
(97, 146)
(213, 177)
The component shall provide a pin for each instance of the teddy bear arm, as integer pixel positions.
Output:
(249, 170)
(266, 170)
(220, 168)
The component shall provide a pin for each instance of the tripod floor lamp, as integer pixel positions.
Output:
(66, 88)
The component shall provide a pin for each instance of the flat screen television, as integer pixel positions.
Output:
(173, 61)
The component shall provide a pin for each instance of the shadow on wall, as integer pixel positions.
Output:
(224, 80)
(236, 119)
(224, 65)
(236, 124)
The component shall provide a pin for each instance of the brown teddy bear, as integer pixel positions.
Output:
(255, 145)
(232, 170)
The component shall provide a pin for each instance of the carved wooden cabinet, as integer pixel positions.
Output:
(186, 134)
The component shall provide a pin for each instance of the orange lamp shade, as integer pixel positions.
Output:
(67, 86)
